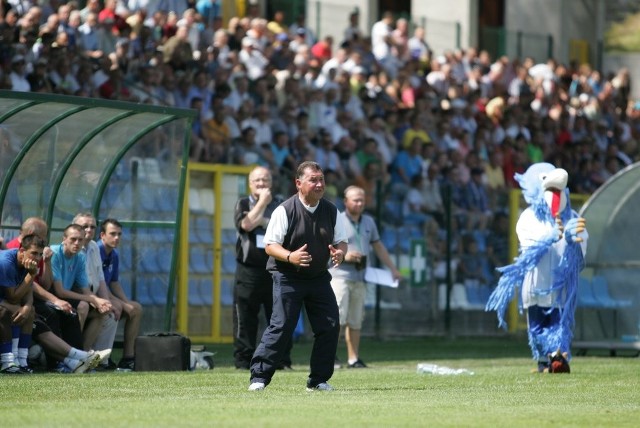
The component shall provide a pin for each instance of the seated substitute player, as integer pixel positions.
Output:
(70, 282)
(58, 314)
(18, 269)
(123, 307)
(97, 286)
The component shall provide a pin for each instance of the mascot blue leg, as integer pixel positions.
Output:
(543, 323)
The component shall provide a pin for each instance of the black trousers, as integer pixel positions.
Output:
(61, 324)
(289, 295)
(252, 291)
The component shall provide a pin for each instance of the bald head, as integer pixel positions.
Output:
(34, 226)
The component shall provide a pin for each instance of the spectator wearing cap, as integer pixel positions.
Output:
(299, 25)
(251, 57)
(299, 40)
(282, 57)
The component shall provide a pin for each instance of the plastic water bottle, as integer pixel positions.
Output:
(441, 370)
(426, 368)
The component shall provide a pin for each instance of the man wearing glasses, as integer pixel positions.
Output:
(97, 286)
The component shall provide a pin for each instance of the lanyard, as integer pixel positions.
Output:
(356, 228)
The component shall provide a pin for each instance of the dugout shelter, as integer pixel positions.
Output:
(609, 294)
(63, 155)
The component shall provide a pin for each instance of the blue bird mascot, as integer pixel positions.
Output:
(553, 244)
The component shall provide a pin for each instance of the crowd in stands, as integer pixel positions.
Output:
(377, 106)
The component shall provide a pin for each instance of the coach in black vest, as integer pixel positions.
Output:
(302, 238)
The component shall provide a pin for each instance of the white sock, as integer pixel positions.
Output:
(72, 363)
(77, 354)
(6, 360)
(14, 346)
(352, 361)
(23, 357)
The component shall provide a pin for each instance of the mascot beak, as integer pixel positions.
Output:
(554, 183)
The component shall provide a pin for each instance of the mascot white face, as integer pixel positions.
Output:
(554, 183)
(544, 184)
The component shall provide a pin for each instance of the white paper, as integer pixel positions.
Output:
(380, 277)
(260, 241)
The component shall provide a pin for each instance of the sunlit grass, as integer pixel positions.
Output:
(600, 391)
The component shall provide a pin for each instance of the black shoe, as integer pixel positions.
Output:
(359, 364)
(26, 369)
(126, 364)
(12, 369)
(109, 367)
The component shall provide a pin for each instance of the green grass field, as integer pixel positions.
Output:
(600, 391)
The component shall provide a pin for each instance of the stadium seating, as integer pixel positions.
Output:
(586, 298)
(206, 291)
(228, 262)
(197, 262)
(195, 298)
(602, 295)
(204, 229)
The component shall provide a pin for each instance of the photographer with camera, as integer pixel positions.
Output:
(348, 278)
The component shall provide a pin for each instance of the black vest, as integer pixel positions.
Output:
(246, 251)
(314, 229)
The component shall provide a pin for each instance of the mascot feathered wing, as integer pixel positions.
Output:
(552, 248)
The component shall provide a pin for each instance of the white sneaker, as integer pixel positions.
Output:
(83, 365)
(257, 386)
(103, 355)
(94, 358)
(324, 386)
